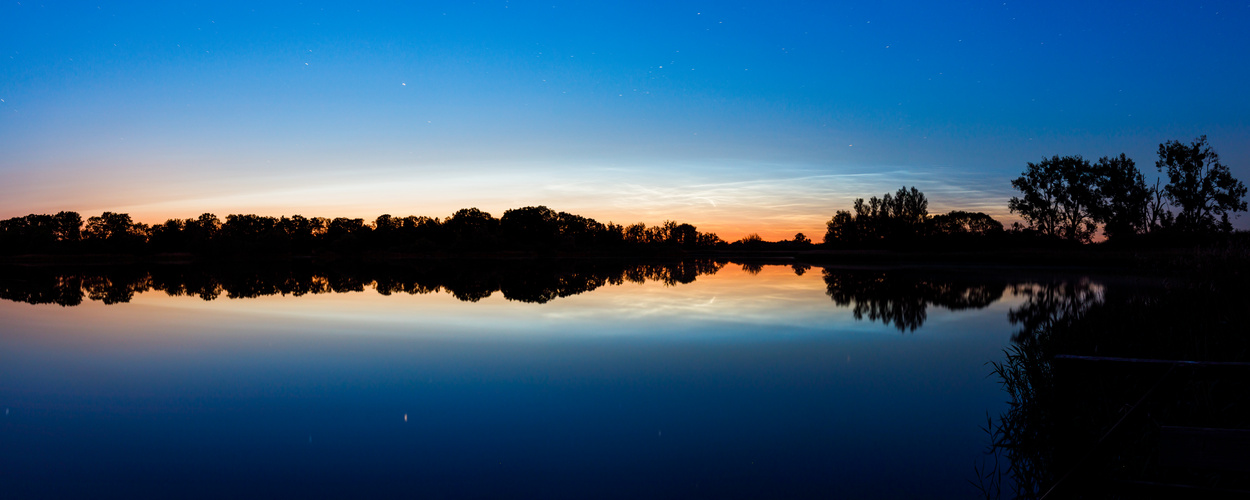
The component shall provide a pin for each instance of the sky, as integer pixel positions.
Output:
(738, 117)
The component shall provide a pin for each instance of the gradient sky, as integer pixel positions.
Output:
(737, 117)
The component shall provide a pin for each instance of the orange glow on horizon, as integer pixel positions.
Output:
(731, 202)
(729, 230)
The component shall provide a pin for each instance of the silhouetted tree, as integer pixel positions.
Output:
(341, 227)
(841, 229)
(301, 232)
(892, 219)
(1060, 197)
(530, 226)
(636, 233)
(68, 226)
(710, 240)
(577, 231)
(959, 223)
(169, 236)
(347, 235)
(108, 225)
(1125, 197)
(663, 232)
(116, 232)
(752, 239)
(386, 231)
(202, 230)
(908, 209)
(1199, 185)
(422, 232)
(683, 235)
(32, 233)
(473, 226)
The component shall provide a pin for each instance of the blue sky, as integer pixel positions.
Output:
(738, 117)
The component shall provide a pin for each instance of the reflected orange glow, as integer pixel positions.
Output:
(770, 295)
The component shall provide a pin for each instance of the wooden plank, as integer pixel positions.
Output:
(1181, 362)
(1151, 489)
(1205, 448)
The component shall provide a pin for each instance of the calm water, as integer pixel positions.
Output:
(738, 384)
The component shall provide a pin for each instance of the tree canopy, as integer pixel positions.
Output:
(889, 219)
(1202, 188)
(902, 219)
(1125, 198)
(1060, 197)
(535, 228)
(1067, 197)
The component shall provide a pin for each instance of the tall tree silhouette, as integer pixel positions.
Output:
(116, 232)
(1060, 197)
(896, 218)
(958, 223)
(530, 226)
(472, 226)
(1199, 185)
(1125, 197)
(68, 226)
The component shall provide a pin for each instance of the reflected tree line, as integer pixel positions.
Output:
(472, 230)
(534, 282)
(1073, 428)
(902, 299)
(898, 299)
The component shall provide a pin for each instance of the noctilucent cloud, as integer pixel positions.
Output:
(737, 117)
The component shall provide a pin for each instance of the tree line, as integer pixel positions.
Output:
(1062, 199)
(535, 228)
(902, 219)
(1069, 199)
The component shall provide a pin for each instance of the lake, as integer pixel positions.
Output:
(712, 380)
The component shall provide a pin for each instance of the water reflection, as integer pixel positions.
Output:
(902, 299)
(1049, 303)
(725, 385)
(897, 298)
(1082, 422)
(530, 281)
(760, 353)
